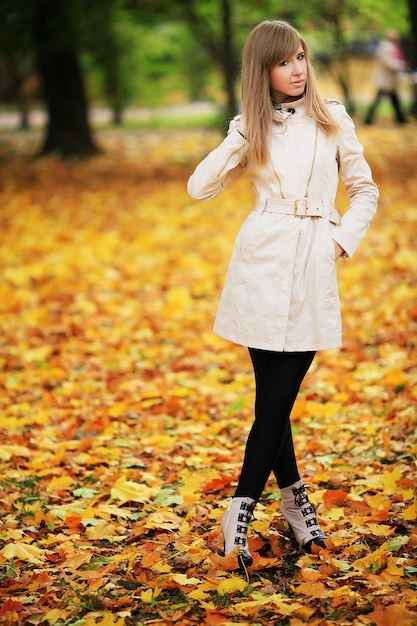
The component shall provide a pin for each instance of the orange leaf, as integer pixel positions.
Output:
(308, 573)
(393, 568)
(328, 569)
(214, 618)
(217, 484)
(73, 520)
(393, 615)
(359, 506)
(335, 497)
(150, 559)
(96, 583)
(312, 589)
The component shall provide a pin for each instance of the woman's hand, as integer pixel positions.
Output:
(241, 127)
(338, 250)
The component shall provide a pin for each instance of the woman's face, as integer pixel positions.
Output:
(288, 78)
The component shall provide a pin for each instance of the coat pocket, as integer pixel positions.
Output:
(246, 237)
(332, 251)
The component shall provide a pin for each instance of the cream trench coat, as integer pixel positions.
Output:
(389, 66)
(280, 291)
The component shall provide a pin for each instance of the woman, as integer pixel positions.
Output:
(391, 65)
(280, 297)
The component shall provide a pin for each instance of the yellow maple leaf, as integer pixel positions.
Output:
(23, 552)
(230, 585)
(60, 482)
(129, 491)
(56, 615)
(147, 595)
(394, 566)
(164, 568)
(407, 494)
(108, 619)
(377, 556)
(198, 594)
(380, 529)
(182, 579)
(303, 613)
(375, 502)
(40, 353)
(192, 484)
(8, 451)
(260, 525)
(394, 377)
(410, 513)
(179, 296)
(105, 510)
(111, 620)
(74, 561)
(197, 554)
(413, 449)
(117, 409)
(389, 480)
(335, 513)
(101, 531)
(163, 519)
(276, 600)
(89, 513)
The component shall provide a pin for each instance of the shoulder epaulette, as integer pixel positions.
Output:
(327, 101)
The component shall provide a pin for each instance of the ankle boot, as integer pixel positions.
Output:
(234, 524)
(301, 516)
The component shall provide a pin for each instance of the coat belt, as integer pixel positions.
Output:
(300, 208)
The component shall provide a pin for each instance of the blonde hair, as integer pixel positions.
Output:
(268, 44)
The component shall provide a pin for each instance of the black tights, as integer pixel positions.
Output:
(270, 448)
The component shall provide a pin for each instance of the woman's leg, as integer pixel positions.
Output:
(395, 101)
(285, 468)
(278, 376)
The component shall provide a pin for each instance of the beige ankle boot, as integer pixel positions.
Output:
(234, 524)
(301, 516)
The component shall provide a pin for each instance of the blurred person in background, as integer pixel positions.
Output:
(391, 65)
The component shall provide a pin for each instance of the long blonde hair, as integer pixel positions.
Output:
(268, 44)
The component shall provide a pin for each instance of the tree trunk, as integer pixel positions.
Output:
(343, 78)
(219, 47)
(228, 60)
(412, 8)
(68, 131)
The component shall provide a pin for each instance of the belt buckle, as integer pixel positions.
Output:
(296, 208)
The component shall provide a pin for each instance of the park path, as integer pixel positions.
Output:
(10, 120)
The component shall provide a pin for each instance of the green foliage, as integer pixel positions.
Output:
(153, 52)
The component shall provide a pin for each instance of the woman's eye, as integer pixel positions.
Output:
(283, 63)
(301, 57)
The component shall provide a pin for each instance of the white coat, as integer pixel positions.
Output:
(281, 291)
(390, 66)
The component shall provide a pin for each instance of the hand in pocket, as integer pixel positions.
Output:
(338, 250)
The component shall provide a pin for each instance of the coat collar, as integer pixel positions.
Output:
(283, 111)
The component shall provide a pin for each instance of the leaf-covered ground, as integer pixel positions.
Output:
(123, 417)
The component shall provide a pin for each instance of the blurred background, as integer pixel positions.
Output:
(67, 66)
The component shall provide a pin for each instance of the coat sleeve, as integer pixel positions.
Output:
(220, 166)
(388, 58)
(361, 189)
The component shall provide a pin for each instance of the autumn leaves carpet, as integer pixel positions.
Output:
(123, 418)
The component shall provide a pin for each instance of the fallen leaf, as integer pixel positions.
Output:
(23, 552)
